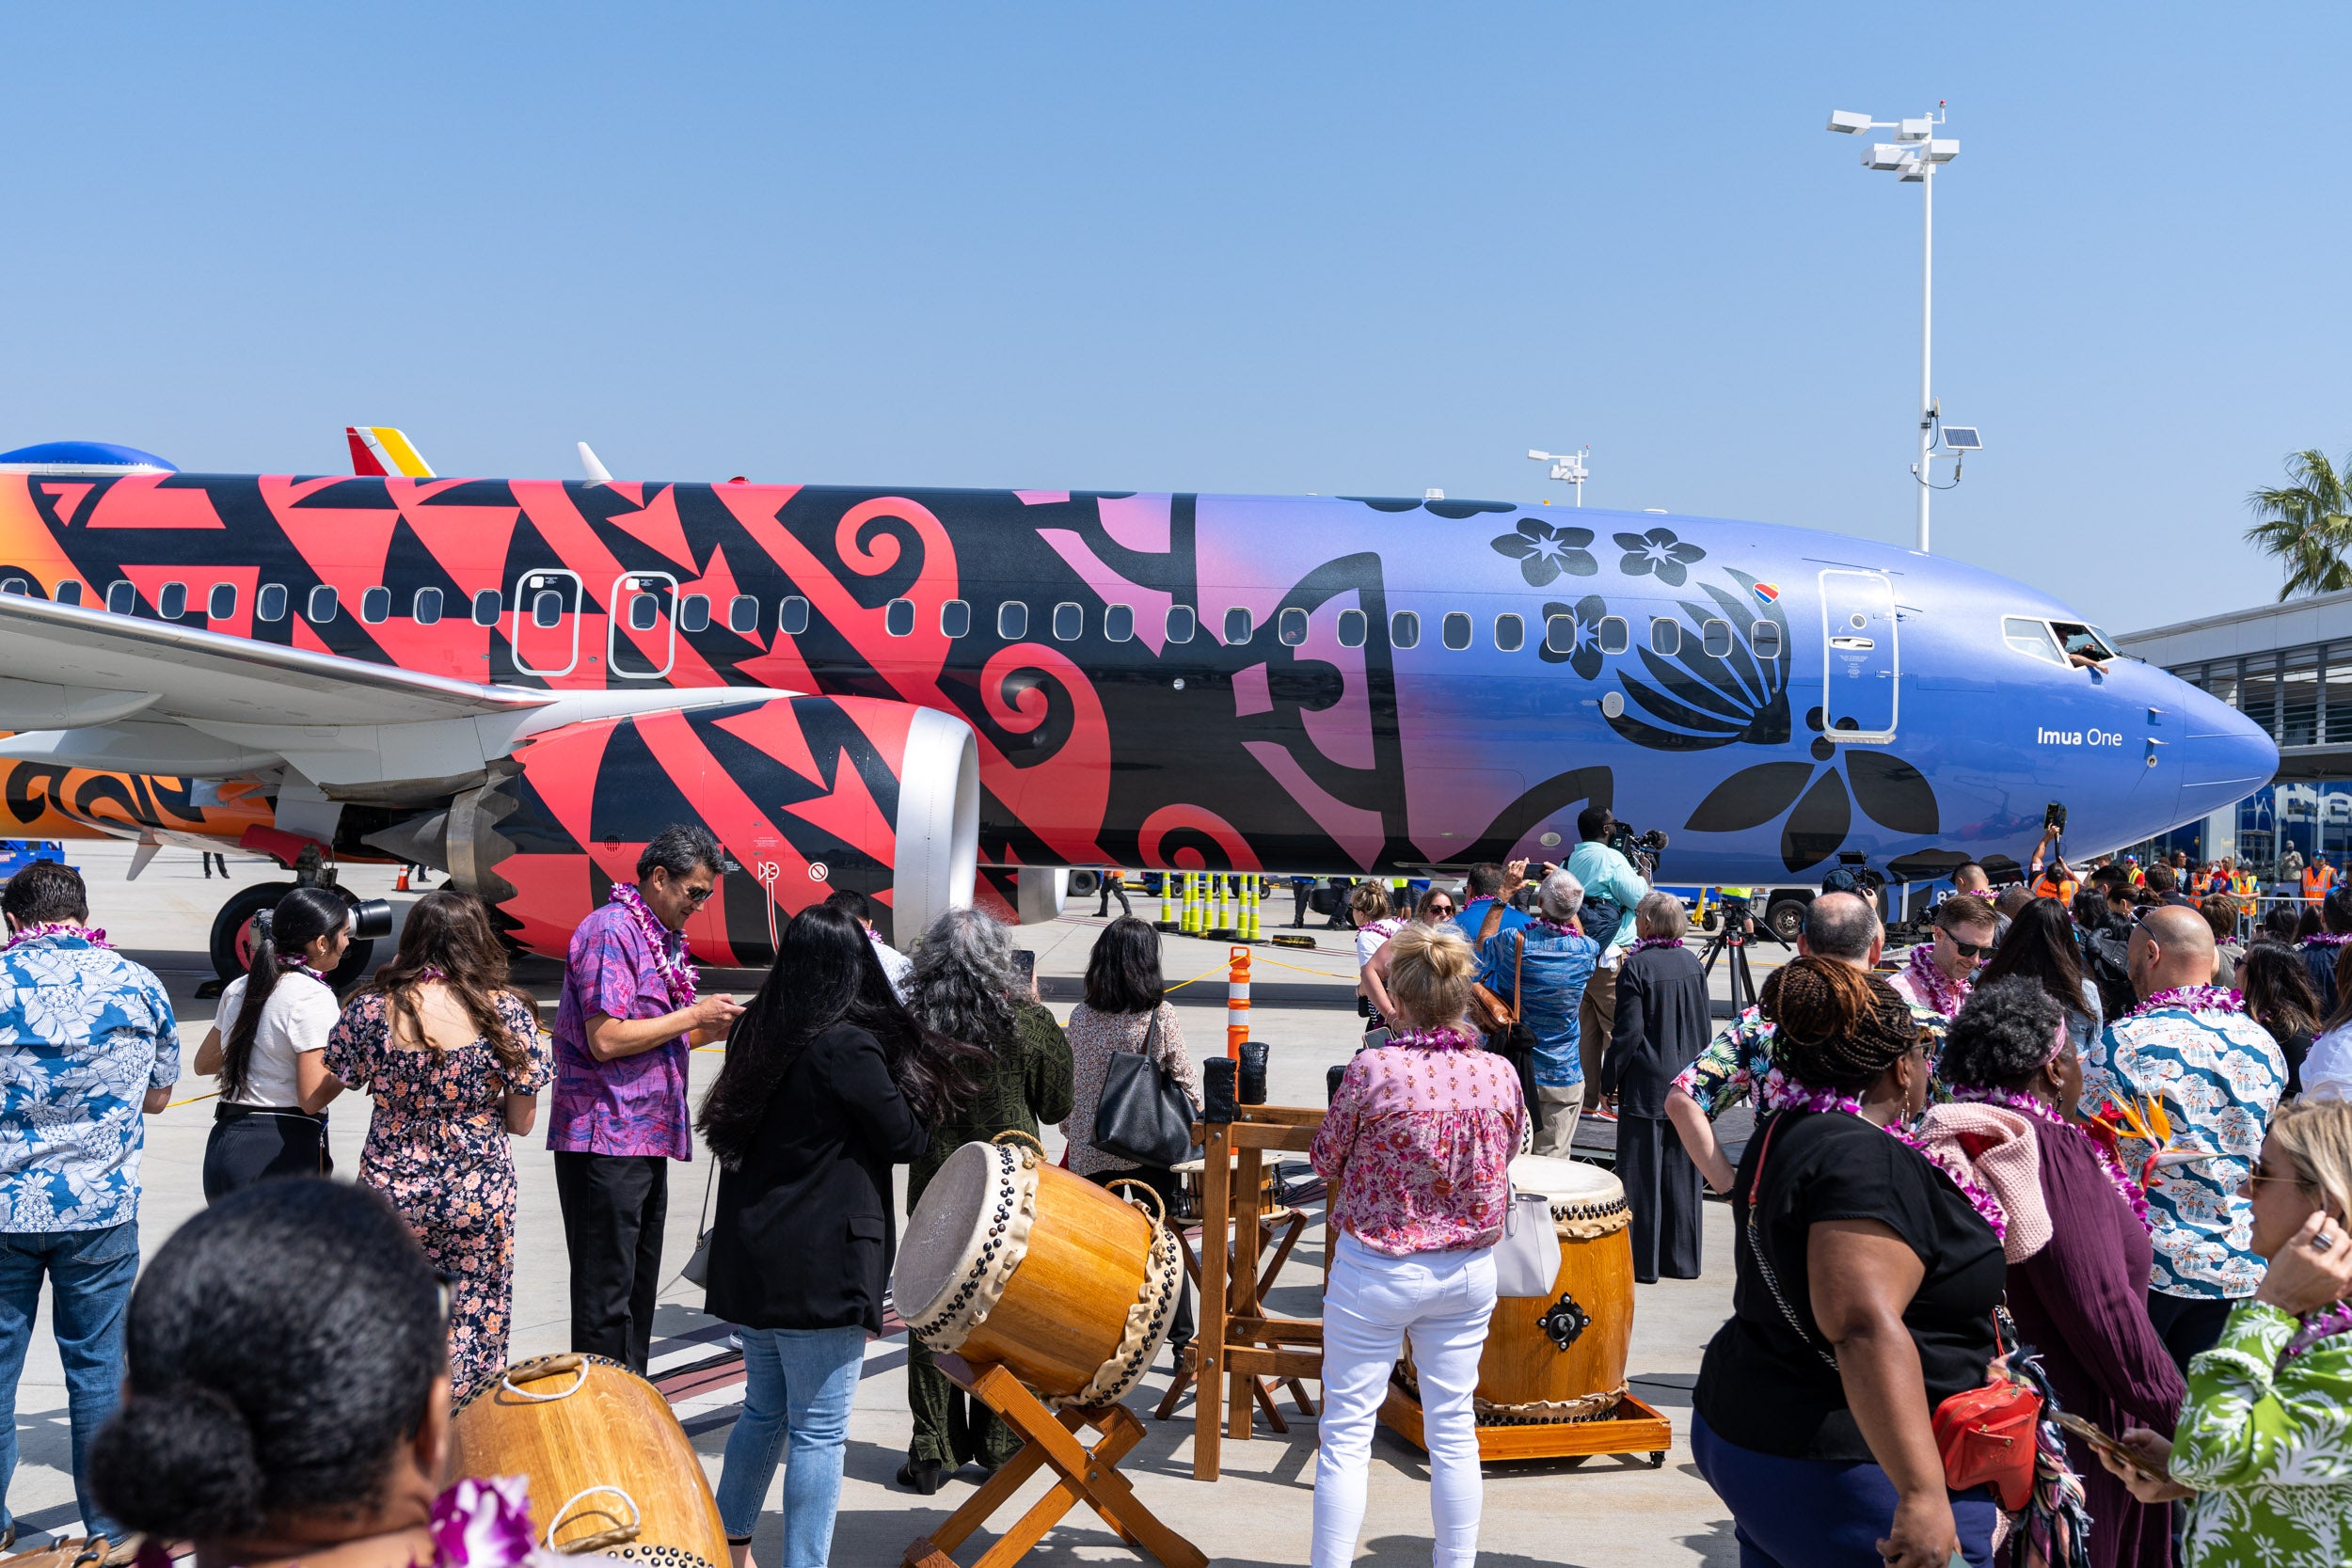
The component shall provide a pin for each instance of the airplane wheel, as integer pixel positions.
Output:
(233, 938)
(1787, 920)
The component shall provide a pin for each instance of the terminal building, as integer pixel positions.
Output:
(2288, 667)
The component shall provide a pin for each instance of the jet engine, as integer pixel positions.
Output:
(807, 795)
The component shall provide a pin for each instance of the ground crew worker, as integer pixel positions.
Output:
(2318, 878)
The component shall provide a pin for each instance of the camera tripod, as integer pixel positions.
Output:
(1732, 937)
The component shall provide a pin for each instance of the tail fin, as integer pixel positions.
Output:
(598, 472)
(383, 451)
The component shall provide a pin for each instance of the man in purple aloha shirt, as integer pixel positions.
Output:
(619, 1111)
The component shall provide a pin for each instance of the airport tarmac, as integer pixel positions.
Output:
(1609, 1512)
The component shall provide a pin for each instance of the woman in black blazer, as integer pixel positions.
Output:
(828, 1082)
(1661, 1027)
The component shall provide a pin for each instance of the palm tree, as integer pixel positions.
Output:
(2307, 524)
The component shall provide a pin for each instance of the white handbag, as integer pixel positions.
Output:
(1527, 1260)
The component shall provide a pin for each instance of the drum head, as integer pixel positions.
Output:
(1565, 1182)
(943, 1235)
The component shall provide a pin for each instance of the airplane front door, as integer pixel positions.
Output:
(1862, 669)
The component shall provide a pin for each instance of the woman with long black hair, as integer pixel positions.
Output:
(2040, 944)
(266, 1042)
(829, 1082)
(453, 1057)
(2278, 996)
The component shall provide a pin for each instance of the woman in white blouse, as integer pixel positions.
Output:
(276, 1016)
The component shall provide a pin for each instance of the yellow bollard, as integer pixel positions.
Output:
(1252, 925)
(1192, 903)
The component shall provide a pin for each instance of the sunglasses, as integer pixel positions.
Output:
(1440, 908)
(1970, 949)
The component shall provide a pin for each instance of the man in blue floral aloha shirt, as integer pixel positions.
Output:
(2219, 1075)
(89, 1049)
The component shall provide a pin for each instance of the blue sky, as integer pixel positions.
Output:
(1359, 248)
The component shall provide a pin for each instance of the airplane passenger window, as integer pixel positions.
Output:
(955, 618)
(1291, 626)
(1404, 629)
(1715, 638)
(1560, 633)
(1236, 626)
(2031, 638)
(1613, 636)
(270, 603)
(1183, 622)
(693, 612)
(322, 606)
(1070, 622)
(122, 598)
(898, 617)
(742, 615)
(69, 592)
(221, 602)
(792, 616)
(1354, 629)
(1764, 639)
(1118, 623)
(644, 613)
(546, 609)
(486, 606)
(15, 585)
(1454, 630)
(1013, 620)
(375, 606)
(425, 609)
(172, 601)
(1510, 633)
(1665, 636)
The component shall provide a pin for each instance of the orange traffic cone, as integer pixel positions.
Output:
(402, 886)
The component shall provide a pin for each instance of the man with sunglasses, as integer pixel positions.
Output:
(1940, 972)
(618, 1114)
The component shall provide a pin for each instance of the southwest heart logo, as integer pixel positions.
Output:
(1767, 592)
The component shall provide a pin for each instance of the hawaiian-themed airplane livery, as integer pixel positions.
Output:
(520, 680)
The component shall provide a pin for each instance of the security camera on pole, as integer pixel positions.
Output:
(1567, 466)
(1914, 156)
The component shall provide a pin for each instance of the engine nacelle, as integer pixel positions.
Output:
(809, 794)
(1043, 890)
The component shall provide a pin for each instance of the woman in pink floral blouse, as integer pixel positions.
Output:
(1417, 1148)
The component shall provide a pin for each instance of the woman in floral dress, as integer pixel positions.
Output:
(455, 1061)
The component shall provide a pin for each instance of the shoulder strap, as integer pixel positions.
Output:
(1151, 1030)
(1763, 1264)
(1518, 964)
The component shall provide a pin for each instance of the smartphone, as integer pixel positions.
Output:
(2091, 1433)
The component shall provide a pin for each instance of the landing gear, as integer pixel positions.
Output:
(232, 936)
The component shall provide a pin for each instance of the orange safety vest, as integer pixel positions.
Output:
(2318, 878)
(2243, 884)
(2061, 890)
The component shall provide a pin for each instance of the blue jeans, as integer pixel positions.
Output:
(90, 1274)
(1819, 1514)
(798, 1383)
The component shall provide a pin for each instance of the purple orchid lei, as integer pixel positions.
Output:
(484, 1524)
(2196, 999)
(677, 968)
(90, 934)
(292, 962)
(2043, 1111)
(1804, 1099)
(1555, 928)
(1648, 943)
(1944, 996)
(2329, 939)
(2325, 1323)
(1436, 1040)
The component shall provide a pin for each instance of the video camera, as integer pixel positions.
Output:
(1642, 849)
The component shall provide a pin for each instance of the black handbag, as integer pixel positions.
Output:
(1142, 1115)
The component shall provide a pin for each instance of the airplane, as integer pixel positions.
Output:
(945, 696)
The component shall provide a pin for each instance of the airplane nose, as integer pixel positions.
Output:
(2225, 755)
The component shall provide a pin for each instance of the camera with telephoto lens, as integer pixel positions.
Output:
(371, 918)
(1641, 850)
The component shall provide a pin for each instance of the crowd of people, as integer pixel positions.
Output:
(1994, 1165)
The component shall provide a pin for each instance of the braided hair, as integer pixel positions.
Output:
(1837, 1027)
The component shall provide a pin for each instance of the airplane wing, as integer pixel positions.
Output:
(381, 449)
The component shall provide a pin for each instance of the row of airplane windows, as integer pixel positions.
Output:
(1611, 634)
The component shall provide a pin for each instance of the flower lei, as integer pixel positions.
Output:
(2043, 1111)
(676, 968)
(1802, 1098)
(291, 962)
(2196, 999)
(2329, 939)
(484, 1524)
(1944, 996)
(2325, 1323)
(1648, 943)
(1555, 928)
(90, 934)
(1436, 1040)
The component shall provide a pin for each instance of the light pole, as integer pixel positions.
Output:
(1569, 465)
(1912, 156)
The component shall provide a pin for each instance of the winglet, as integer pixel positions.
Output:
(598, 472)
(382, 451)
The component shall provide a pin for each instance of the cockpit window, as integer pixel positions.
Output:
(2082, 642)
(2031, 637)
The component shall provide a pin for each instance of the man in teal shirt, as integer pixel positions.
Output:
(1611, 886)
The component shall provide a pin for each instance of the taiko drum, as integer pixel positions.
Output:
(1563, 1357)
(611, 1470)
(1012, 1260)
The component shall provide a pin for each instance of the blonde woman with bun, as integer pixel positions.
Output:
(1417, 1150)
(2264, 1447)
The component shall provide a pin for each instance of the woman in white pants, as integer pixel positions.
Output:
(1417, 1151)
